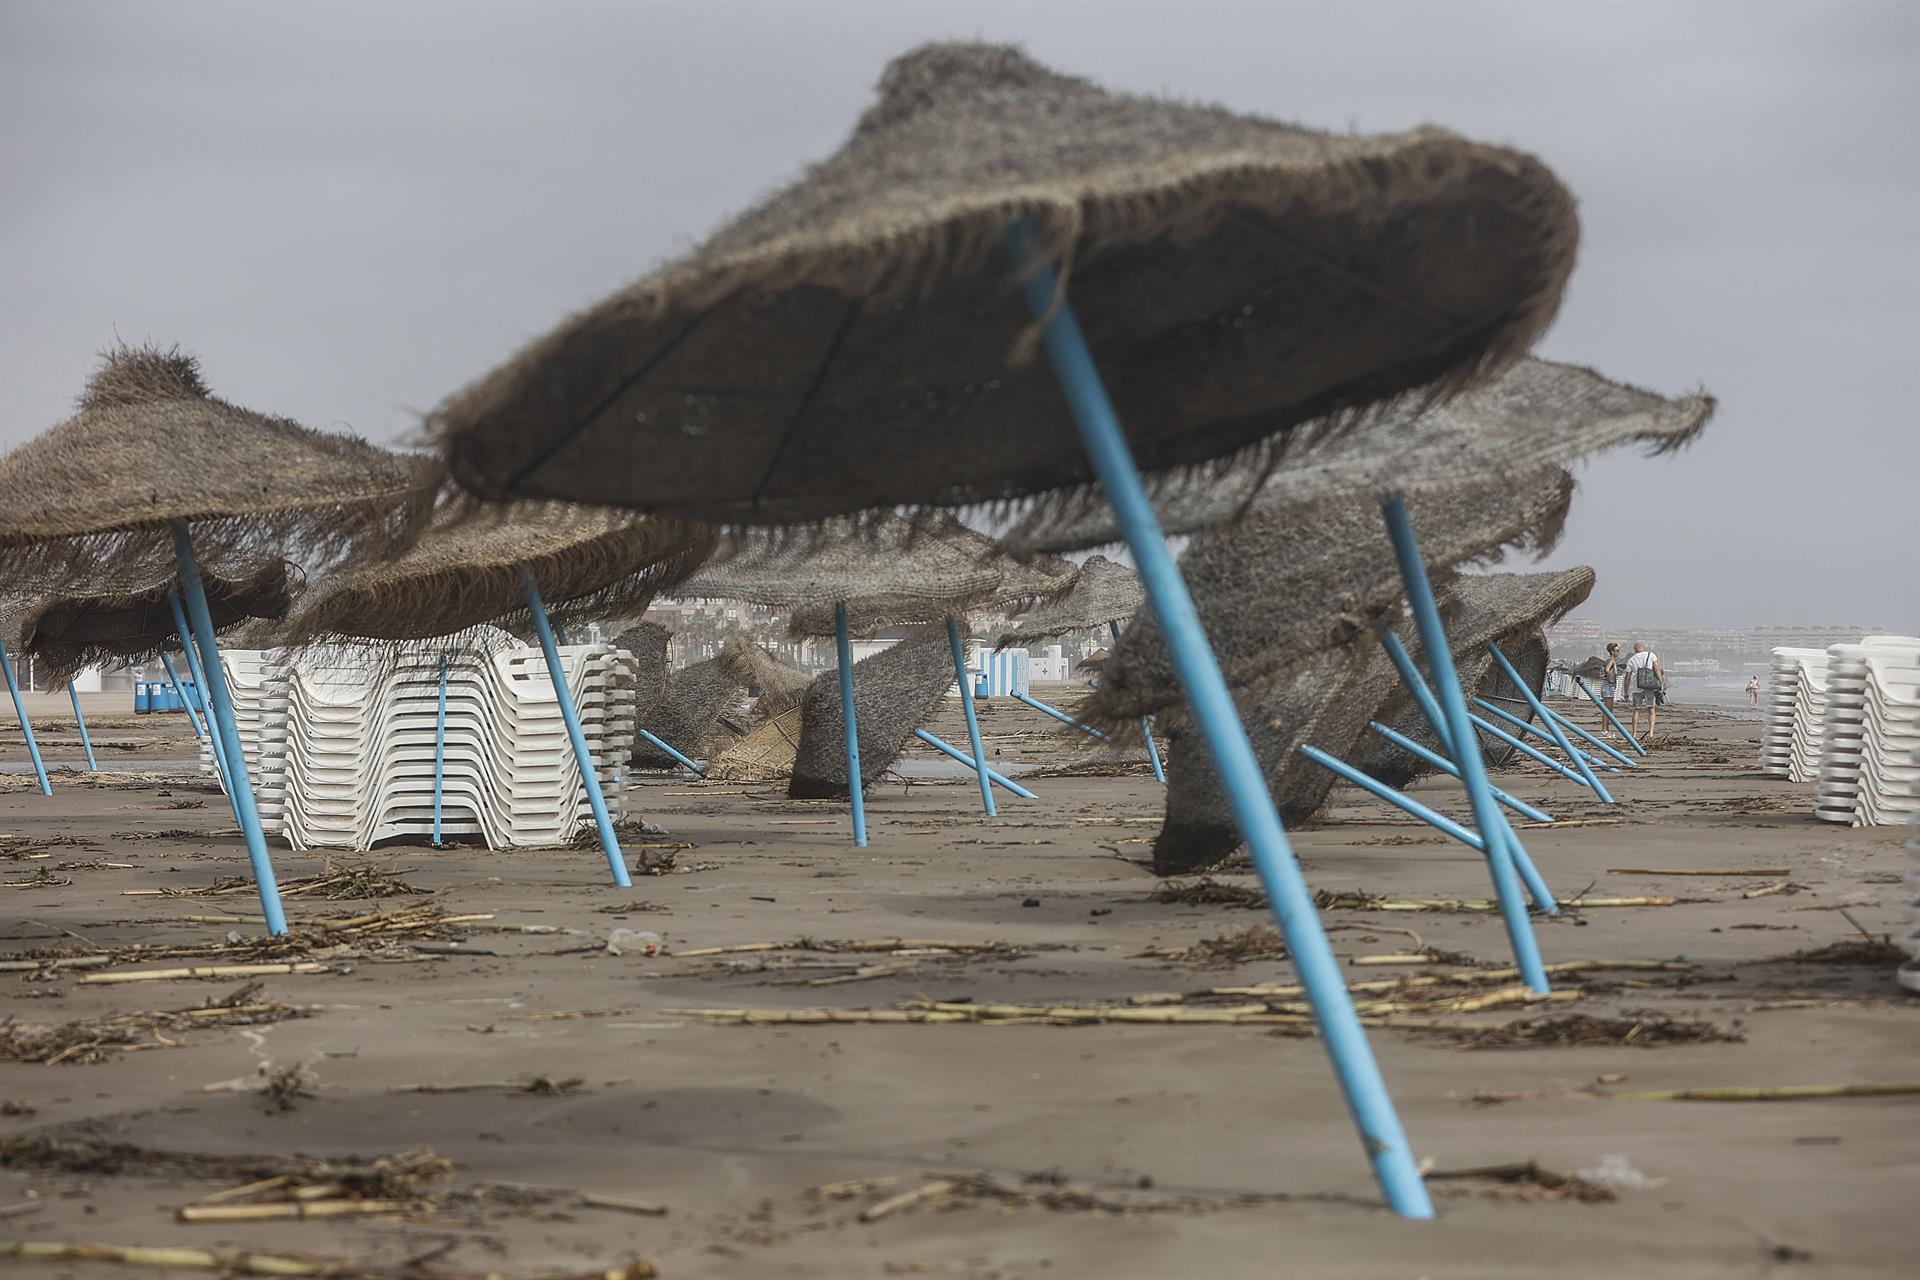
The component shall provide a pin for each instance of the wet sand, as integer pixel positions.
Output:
(1226, 1146)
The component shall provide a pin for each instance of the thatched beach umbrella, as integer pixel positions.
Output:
(153, 458)
(1480, 473)
(845, 346)
(1103, 593)
(502, 565)
(856, 576)
(893, 692)
(1327, 703)
(70, 632)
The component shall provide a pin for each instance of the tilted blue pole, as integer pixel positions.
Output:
(1153, 748)
(589, 776)
(1559, 735)
(193, 712)
(239, 779)
(1061, 716)
(1436, 720)
(1581, 760)
(660, 743)
(1528, 750)
(440, 753)
(1146, 723)
(221, 766)
(26, 726)
(1445, 765)
(1463, 747)
(1579, 731)
(849, 728)
(1365, 1090)
(1373, 786)
(86, 743)
(559, 635)
(1607, 711)
(992, 776)
(960, 673)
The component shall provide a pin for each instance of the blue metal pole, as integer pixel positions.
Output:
(86, 743)
(1473, 770)
(1373, 786)
(239, 782)
(960, 673)
(1430, 708)
(1625, 760)
(1146, 722)
(849, 727)
(1061, 716)
(222, 766)
(193, 712)
(1580, 758)
(26, 726)
(1445, 765)
(658, 742)
(1607, 711)
(1365, 1090)
(589, 777)
(1153, 748)
(992, 776)
(559, 635)
(440, 754)
(1526, 749)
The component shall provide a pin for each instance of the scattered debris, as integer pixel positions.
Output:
(1526, 1182)
(1581, 1030)
(1785, 1093)
(1877, 952)
(91, 1040)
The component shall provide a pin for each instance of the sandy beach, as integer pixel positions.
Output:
(590, 1120)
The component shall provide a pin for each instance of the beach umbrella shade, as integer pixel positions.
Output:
(845, 344)
(688, 718)
(152, 458)
(1328, 701)
(1103, 594)
(1309, 563)
(893, 692)
(648, 643)
(70, 632)
(852, 344)
(479, 565)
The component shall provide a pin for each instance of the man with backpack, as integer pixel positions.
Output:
(1646, 682)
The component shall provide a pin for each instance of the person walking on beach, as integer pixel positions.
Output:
(1646, 682)
(1753, 690)
(1611, 674)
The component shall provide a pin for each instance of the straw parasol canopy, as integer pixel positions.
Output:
(1276, 591)
(70, 632)
(1327, 703)
(773, 685)
(648, 643)
(689, 718)
(1535, 419)
(894, 692)
(465, 570)
(150, 444)
(856, 341)
(1103, 594)
(887, 570)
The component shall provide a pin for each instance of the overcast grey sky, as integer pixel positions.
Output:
(350, 209)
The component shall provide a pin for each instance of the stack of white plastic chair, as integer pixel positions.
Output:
(1910, 971)
(1871, 727)
(357, 764)
(257, 687)
(1796, 700)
